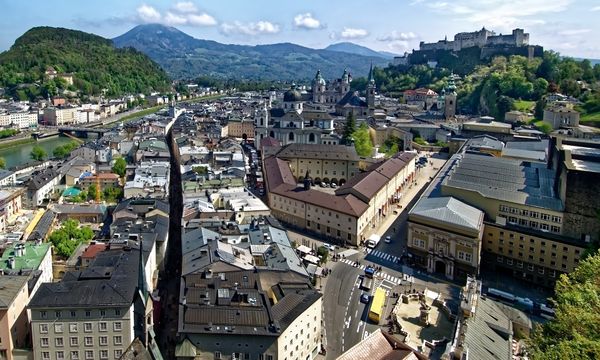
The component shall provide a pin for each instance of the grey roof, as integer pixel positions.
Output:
(5, 173)
(318, 151)
(352, 99)
(448, 210)
(504, 179)
(41, 178)
(42, 228)
(485, 142)
(142, 206)
(111, 280)
(98, 209)
(280, 254)
(10, 287)
(489, 332)
(541, 145)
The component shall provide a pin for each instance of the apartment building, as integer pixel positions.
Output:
(56, 116)
(94, 313)
(14, 324)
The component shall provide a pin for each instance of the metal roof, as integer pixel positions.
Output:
(449, 210)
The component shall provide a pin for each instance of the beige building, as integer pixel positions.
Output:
(329, 163)
(352, 211)
(444, 235)
(11, 204)
(515, 116)
(14, 324)
(234, 314)
(561, 116)
(60, 116)
(240, 128)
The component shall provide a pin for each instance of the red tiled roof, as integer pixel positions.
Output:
(93, 250)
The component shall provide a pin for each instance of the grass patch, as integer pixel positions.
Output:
(11, 143)
(524, 105)
(592, 119)
(543, 126)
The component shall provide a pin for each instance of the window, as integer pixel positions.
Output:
(75, 355)
(87, 327)
(89, 354)
(89, 341)
(217, 355)
(118, 353)
(60, 355)
(499, 259)
(541, 271)
(534, 214)
(552, 273)
(545, 217)
(73, 327)
(117, 326)
(555, 229)
(102, 326)
(117, 312)
(556, 219)
(520, 264)
(58, 314)
(74, 341)
(103, 354)
(118, 340)
(88, 313)
(59, 342)
(46, 355)
(58, 328)
(102, 312)
(44, 342)
(103, 340)
(44, 328)
(73, 314)
(530, 267)
(545, 227)
(533, 224)
(43, 314)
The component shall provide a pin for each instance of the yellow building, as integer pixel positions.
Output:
(14, 324)
(329, 163)
(240, 128)
(351, 212)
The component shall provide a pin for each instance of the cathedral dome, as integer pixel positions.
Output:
(292, 95)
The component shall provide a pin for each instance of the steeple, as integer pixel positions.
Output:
(371, 79)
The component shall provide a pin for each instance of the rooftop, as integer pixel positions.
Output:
(318, 151)
(31, 258)
(450, 211)
(10, 287)
(503, 179)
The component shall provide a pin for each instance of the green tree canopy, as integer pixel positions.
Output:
(2, 163)
(38, 153)
(69, 236)
(362, 140)
(575, 332)
(349, 129)
(120, 167)
(64, 151)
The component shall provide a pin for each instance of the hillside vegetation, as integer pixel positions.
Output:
(94, 62)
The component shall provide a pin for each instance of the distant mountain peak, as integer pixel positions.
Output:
(352, 48)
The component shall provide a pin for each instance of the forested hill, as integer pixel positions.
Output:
(92, 60)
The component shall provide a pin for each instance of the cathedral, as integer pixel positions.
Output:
(309, 119)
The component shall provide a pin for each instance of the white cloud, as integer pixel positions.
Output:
(307, 21)
(185, 6)
(501, 15)
(595, 8)
(399, 46)
(353, 33)
(182, 13)
(249, 29)
(571, 32)
(397, 35)
(202, 19)
(148, 14)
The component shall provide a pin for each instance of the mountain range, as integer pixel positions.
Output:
(183, 56)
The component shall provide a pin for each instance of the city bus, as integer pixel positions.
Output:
(376, 310)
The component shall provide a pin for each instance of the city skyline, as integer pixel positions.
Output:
(563, 25)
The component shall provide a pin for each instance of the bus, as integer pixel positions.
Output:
(373, 240)
(376, 310)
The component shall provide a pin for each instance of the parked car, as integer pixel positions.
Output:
(333, 185)
(388, 239)
(364, 298)
(329, 246)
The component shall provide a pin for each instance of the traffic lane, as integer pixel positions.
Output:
(338, 288)
(356, 317)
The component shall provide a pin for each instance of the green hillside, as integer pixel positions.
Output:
(94, 62)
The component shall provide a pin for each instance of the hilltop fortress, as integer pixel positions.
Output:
(481, 38)
(471, 48)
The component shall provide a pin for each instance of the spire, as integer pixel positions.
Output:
(371, 79)
(142, 288)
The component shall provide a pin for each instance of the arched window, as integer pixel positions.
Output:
(272, 134)
(311, 137)
(291, 136)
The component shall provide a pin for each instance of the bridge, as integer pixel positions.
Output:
(82, 131)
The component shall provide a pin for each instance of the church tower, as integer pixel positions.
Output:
(261, 125)
(371, 92)
(450, 99)
(318, 89)
(345, 84)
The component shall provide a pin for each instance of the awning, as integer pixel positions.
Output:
(311, 259)
(304, 249)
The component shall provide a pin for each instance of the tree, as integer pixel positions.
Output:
(574, 333)
(92, 192)
(69, 236)
(120, 167)
(362, 141)
(539, 109)
(64, 151)
(38, 153)
(2, 163)
(112, 194)
(349, 129)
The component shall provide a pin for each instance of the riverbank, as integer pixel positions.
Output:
(8, 142)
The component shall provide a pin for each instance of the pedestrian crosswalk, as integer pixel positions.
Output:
(382, 255)
(383, 275)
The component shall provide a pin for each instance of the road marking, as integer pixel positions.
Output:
(356, 314)
(359, 324)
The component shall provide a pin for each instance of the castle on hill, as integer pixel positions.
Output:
(481, 38)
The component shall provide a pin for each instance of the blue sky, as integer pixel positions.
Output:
(567, 26)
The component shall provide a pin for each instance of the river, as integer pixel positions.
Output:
(20, 154)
